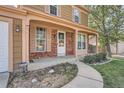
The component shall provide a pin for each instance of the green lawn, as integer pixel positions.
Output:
(113, 73)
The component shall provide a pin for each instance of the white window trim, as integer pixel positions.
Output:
(57, 11)
(73, 17)
(45, 49)
(84, 41)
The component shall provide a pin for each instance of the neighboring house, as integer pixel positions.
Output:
(118, 49)
(36, 31)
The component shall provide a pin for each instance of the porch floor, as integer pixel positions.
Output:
(50, 61)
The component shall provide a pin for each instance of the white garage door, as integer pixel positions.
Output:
(3, 46)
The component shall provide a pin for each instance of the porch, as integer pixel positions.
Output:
(50, 61)
(50, 40)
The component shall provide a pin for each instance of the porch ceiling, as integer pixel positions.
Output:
(51, 25)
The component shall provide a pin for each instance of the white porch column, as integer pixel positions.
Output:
(76, 42)
(25, 40)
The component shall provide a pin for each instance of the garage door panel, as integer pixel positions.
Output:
(3, 46)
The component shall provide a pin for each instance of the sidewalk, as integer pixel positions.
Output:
(87, 78)
(4, 79)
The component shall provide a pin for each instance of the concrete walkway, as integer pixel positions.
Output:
(87, 77)
(4, 79)
(120, 56)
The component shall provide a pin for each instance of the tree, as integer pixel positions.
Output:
(107, 20)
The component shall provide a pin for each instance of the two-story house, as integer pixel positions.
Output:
(35, 31)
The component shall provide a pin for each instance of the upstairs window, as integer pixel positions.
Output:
(40, 39)
(81, 41)
(54, 10)
(76, 16)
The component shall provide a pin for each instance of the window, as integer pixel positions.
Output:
(81, 41)
(54, 9)
(40, 39)
(76, 16)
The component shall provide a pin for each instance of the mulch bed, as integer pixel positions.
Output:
(50, 77)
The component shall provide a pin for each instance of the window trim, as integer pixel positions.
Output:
(45, 49)
(85, 41)
(57, 11)
(73, 15)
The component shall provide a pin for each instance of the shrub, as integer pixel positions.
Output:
(89, 59)
(94, 58)
(98, 58)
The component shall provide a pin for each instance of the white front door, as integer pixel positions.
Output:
(3, 46)
(61, 39)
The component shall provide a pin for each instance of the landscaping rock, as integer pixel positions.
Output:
(51, 71)
(50, 77)
(34, 80)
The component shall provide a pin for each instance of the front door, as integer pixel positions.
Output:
(3, 46)
(61, 39)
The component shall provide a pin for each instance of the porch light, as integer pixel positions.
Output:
(17, 28)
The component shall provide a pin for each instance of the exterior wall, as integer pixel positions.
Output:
(17, 45)
(70, 43)
(84, 19)
(64, 11)
(36, 7)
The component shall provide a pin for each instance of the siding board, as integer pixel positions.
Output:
(65, 12)
(17, 45)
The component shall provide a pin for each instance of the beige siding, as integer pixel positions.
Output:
(17, 45)
(84, 19)
(36, 7)
(66, 12)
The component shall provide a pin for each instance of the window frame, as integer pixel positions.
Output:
(82, 41)
(57, 10)
(45, 39)
(79, 15)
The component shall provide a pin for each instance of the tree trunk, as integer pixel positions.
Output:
(116, 47)
(108, 48)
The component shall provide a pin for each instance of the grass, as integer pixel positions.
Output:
(112, 73)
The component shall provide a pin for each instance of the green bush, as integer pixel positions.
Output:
(94, 58)
(98, 58)
(89, 59)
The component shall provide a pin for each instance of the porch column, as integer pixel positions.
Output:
(76, 42)
(87, 44)
(25, 40)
